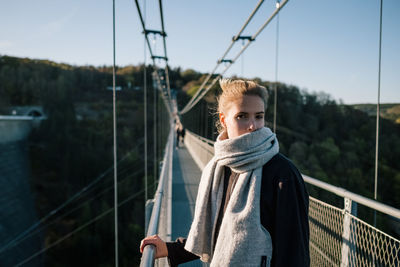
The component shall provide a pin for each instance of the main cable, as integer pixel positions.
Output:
(144, 29)
(200, 92)
(167, 102)
(189, 104)
(237, 56)
(165, 48)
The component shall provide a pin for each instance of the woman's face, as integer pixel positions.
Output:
(244, 115)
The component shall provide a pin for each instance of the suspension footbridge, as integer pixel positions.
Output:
(339, 234)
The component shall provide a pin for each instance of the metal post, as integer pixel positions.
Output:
(148, 209)
(154, 135)
(348, 236)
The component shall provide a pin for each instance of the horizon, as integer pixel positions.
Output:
(338, 101)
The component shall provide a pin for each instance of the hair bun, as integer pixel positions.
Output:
(224, 83)
(228, 84)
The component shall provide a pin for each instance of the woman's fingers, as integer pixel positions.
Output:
(161, 247)
(146, 241)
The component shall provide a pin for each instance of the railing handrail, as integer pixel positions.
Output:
(20, 118)
(208, 141)
(149, 251)
(373, 204)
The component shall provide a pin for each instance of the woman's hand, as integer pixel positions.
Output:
(161, 247)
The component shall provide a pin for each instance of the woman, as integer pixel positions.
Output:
(252, 204)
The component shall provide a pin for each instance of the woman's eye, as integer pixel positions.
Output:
(260, 117)
(240, 116)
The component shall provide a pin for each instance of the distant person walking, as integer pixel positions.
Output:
(183, 132)
(178, 134)
(252, 203)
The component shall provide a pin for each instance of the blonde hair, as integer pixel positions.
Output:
(234, 89)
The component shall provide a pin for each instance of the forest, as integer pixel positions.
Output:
(73, 147)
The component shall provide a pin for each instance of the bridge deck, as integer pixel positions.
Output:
(186, 176)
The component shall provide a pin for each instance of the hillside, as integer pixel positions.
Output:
(332, 142)
(73, 148)
(388, 111)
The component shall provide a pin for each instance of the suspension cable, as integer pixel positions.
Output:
(81, 193)
(144, 29)
(276, 67)
(242, 62)
(155, 123)
(145, 109)
(378, 108)
(78, 194)
(165, 49)
(234, 39)
(378, 103)
(115, 148)
(80, 228)
(167, 102)
(200, 92)
(43, 226)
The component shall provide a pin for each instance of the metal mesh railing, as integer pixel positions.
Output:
(326, 227)
(369, 246)
(338, 238)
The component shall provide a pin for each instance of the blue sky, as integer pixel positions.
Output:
(329, 46)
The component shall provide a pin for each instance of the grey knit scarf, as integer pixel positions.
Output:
(242, 240)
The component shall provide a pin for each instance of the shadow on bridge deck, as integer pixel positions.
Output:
(186, 177)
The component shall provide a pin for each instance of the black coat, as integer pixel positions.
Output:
(284, 213)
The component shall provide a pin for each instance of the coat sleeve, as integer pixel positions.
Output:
(177, 253)
(291, 235)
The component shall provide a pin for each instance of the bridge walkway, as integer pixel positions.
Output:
(185, 180)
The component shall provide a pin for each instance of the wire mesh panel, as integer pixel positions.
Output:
(326, 227)
(371, 247)
(341, 239)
